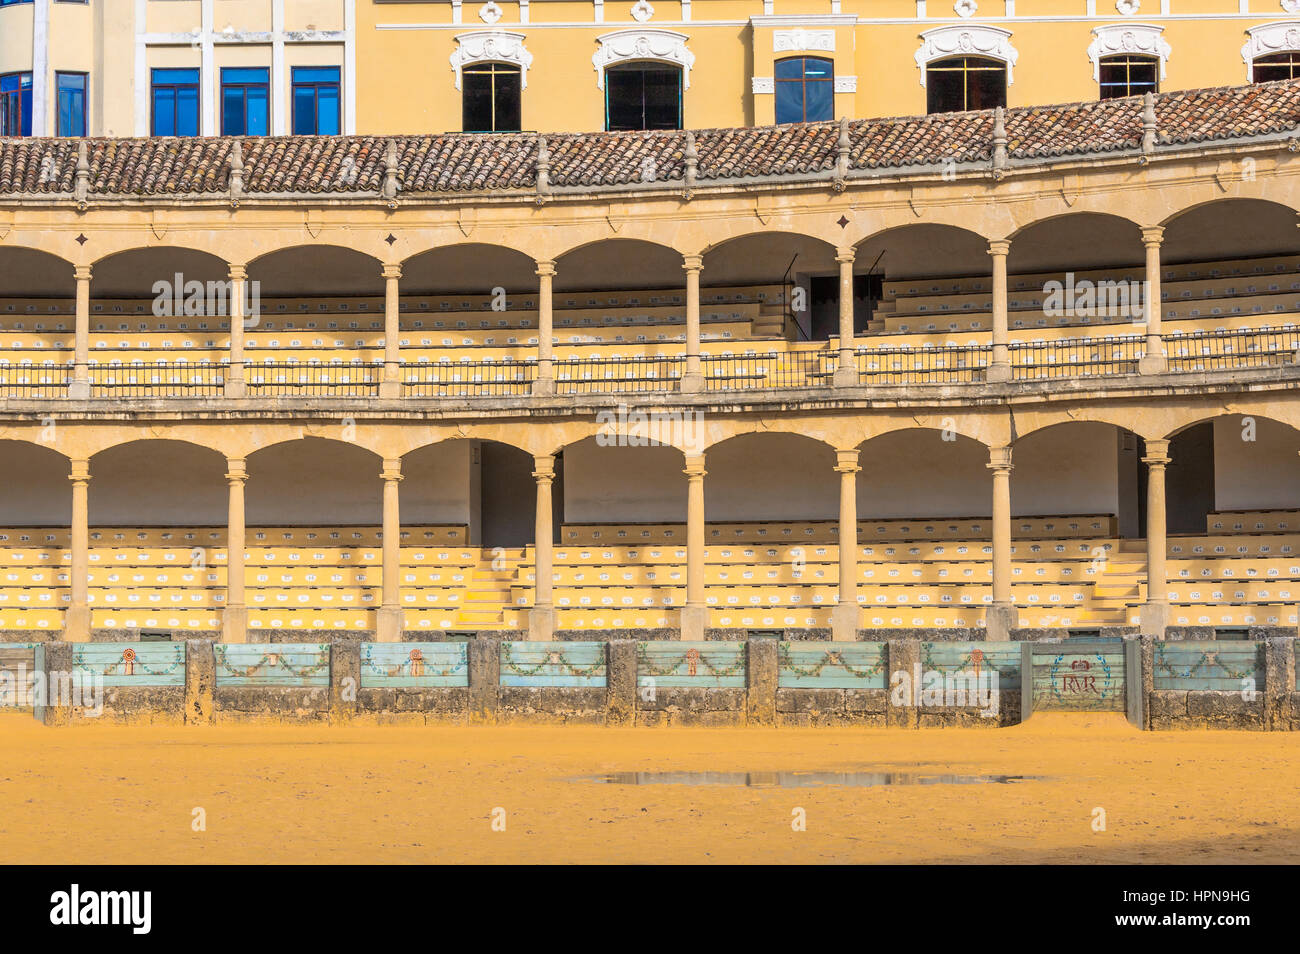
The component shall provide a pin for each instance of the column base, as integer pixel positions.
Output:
(997, 372)
(692, 382)
(695, 619)
(76, 624)
(1153, 363)
(234, 388)
(844, 622)
(389, 622)
(846, 376)
(543, 387)
(541, 624)
(999, 620)
(1153, 618)
(79, 389)
(234, 624)
(390, 390)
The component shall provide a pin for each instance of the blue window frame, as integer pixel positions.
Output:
(175, 95)
(245, 99)
(16, 104)
(805, 90)
(71, 91)
(315, 100)
(10, 3)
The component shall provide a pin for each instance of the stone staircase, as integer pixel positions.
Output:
(1121, 583)
(487, 594)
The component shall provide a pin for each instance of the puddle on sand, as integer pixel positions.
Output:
(799, 779)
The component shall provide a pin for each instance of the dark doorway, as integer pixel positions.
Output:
(1189, 481)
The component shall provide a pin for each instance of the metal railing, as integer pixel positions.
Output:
(956, 364)
(468, 379)
(356, 379)
(156, 380)
(585, 375)
(34, 382)
(1075, 357)
(1226, 350)
(775, 369)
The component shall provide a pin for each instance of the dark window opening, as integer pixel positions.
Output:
(805, 90)
(16, 104)
(175, 104)
(1276, 66)
(638, 96)
(492, 97)
(1126, 75)
(961, 83)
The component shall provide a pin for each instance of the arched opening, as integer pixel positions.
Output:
(751, 478)
(919, 473)
(37, 318)
(785, 284)
(158, 483)
(35, 514)
(899, 272)
(485, 486)
(1083, 469)
(616, 481)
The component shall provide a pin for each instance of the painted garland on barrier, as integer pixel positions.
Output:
(1205, 665)
(272, 661)
(555, 658)
(1080, 683)
(830, 658)
(692, 659)
(415, 664)
(975, 660)
(130, 662)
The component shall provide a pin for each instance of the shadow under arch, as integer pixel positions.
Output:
(37, 492)
(1075, 241)
(34, 273)
(158, 482)
(1228, 228)
(770, 475)
(922, 250)
(297, 271)
(313, 481)
(605, 264)
(923, 473)
(485, 485)
(472, 268)
(137, 272)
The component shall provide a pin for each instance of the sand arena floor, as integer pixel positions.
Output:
(357, 794)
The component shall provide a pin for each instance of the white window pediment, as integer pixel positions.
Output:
(492, 46)
(800, 40)
(967, 39)
(1270, 38)
(1115, 38)
(626, 46)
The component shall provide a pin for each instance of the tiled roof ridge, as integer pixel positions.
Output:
(426, 164)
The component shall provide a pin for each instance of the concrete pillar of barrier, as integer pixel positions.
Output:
(484, 678)
(345, 678)
(200, 681)
(55, 685)
(620, 682)
(903, 688)
(1148, 676)
(761, 664)
(1279, 678)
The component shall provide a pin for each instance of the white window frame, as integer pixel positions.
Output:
(967, 39)
(637, 46)
(1267, 39)
(492, 46)
(1117, 39)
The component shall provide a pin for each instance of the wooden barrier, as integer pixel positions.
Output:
(568, 664)
(831, 665)
(131, 664)
(691, 665)
(248, 665)
(1076, 675)
(18, 663)
(1222, 665)
(975, 657)
(414, 665)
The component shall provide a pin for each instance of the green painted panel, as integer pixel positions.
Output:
(242, 665)
(414, 665)
(831, 665)
(131, 664)
(703, 665)
(1222, 665)
(1079, 680)
(559, 664)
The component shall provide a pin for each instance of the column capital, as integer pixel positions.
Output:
(845, 254)
(236, 471)
(392, 469)
(846, 461)
(695, 467)
(545, 268)
(1153, 235)
(238, 273)
(391, 271)
(693, 263)
(81, 273)
(544, 465)
(999, 248)
(1157, 454)
(999, 460)
(80, 471)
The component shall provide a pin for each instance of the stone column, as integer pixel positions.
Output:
(1000, 362)
(79, 388)
(235, 387)
(695, 614)
(762, 666)
(844, 618)
(541, 619)
(1155, 612)
(389, 621)
(1001, 616)
(391, 385)
(544, 383)
(1153, 361)
(234, 620)
(693, 374)
(846, 369)
(76, 621)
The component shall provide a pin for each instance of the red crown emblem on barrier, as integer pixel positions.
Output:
(1080, 664)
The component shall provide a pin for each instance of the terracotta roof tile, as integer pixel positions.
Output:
(460, 163)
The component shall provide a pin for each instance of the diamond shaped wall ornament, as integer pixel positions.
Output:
(642, 11)
(490, 12)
